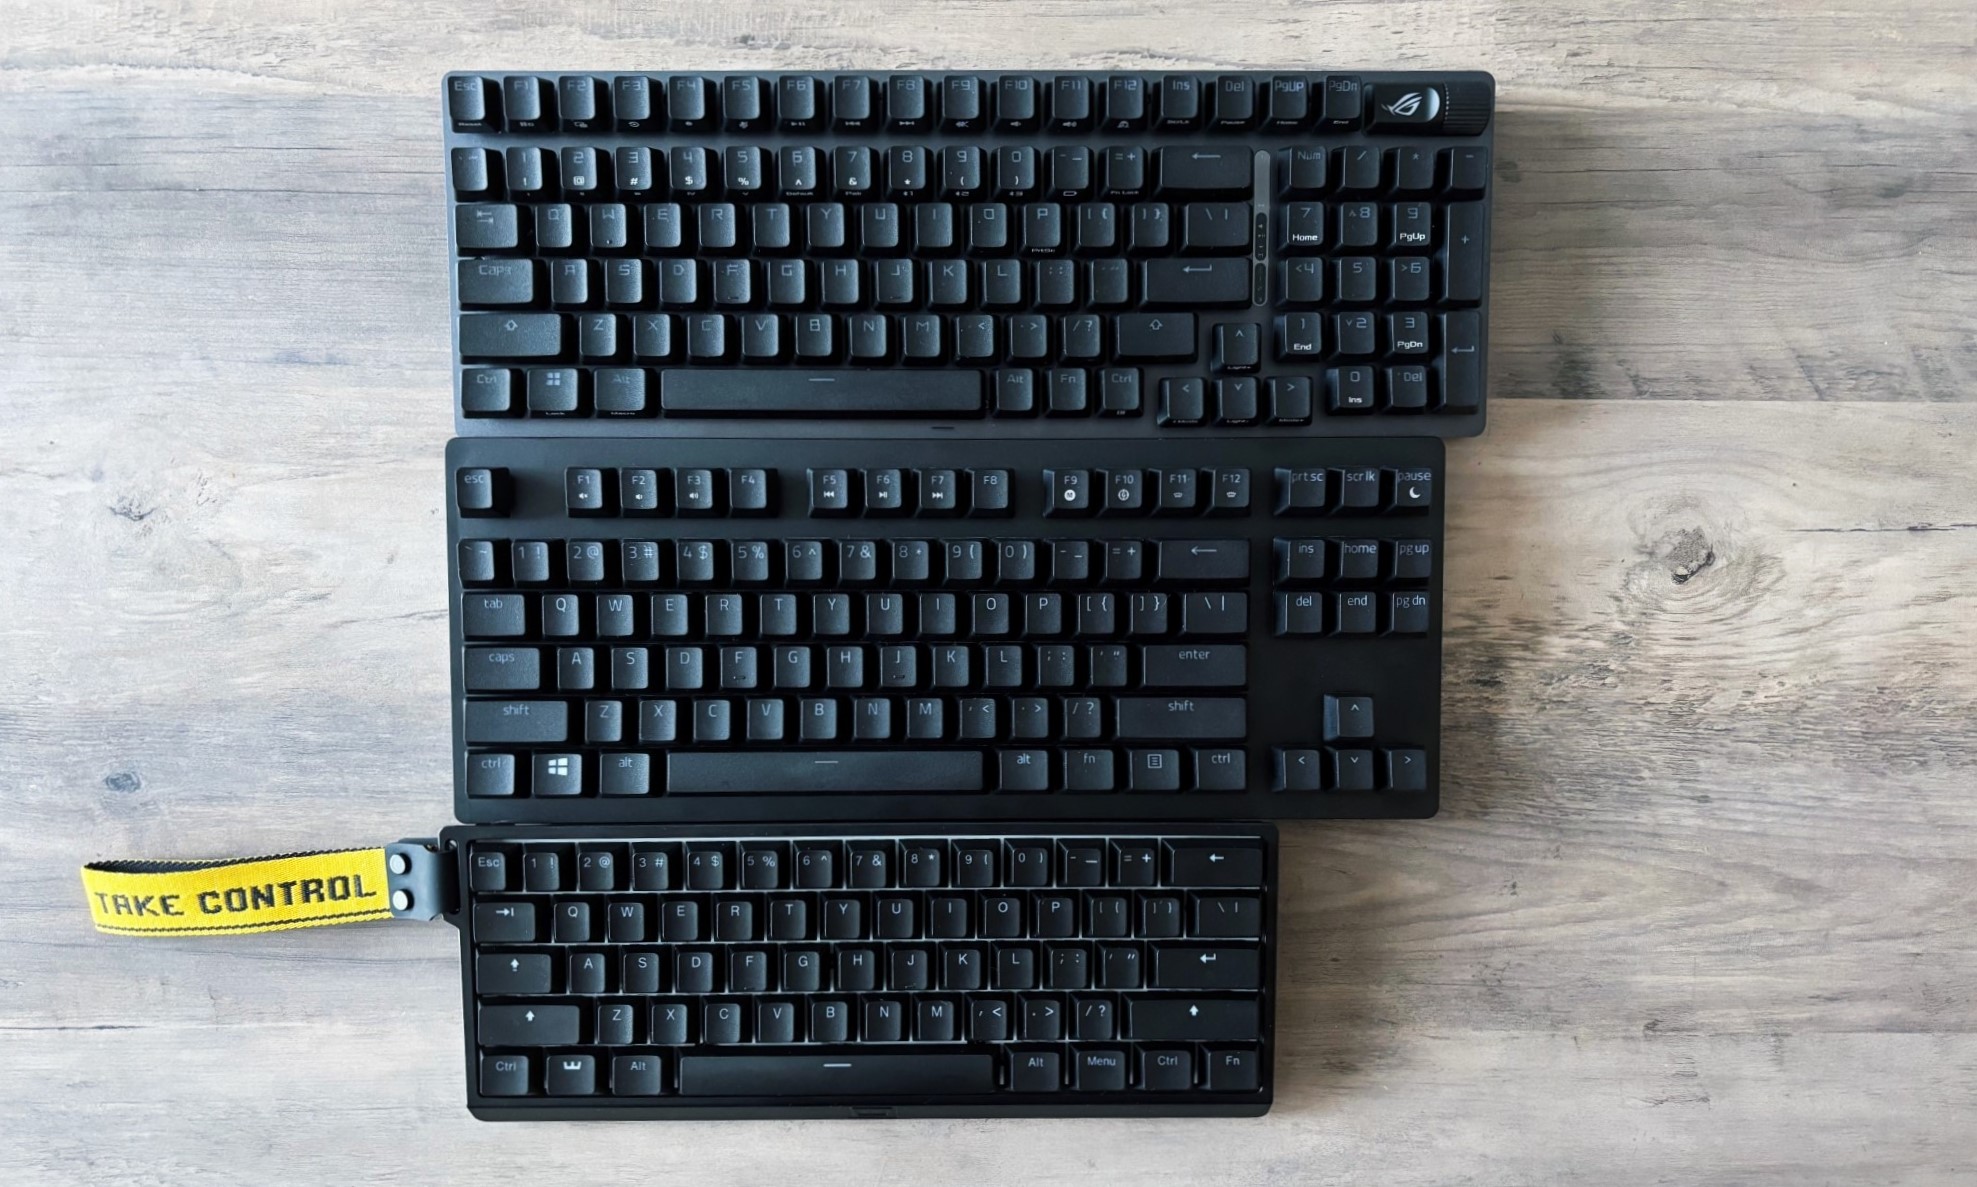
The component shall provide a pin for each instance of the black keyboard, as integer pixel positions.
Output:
(1026, 970)
(974, 254)
(723, 630)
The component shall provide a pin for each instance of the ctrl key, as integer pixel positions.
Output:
(490, 775)
(504, 1075)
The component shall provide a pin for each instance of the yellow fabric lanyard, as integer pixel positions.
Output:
(238, 895)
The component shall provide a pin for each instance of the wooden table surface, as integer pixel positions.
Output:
(1698, 905)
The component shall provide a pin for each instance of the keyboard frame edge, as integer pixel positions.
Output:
(455, 840)
(1258, 802)
(985, 426)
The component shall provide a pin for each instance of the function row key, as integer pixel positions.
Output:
(1137, 492)
(1069, 103)
(907, 862)
(881, 492)
(687, 491)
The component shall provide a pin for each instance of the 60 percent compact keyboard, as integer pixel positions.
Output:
(1006, 254)
(1032, 970)
(767, 631)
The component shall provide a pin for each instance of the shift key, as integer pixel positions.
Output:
(517, 722)
(510, 335)
(1182, 718)
(528, 1026)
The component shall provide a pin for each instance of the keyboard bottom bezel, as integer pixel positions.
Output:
(1133, 1102)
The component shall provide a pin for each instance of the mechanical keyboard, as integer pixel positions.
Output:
(1006, 255)
(719, 630)
(1024, 970)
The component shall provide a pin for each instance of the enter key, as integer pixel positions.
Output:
(1190, 966)
(1207, 665)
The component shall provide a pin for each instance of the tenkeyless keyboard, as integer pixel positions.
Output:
(1024, 970)
(729, 630)
(990, 254)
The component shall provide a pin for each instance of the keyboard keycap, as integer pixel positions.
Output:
(1204, 561)
(894, 1076)
(1202, 171)
(1189, 966)
(510, 335)
(517, 722)
(1190, 283)
(528, 1026)
(1207, 864)
(504, 1075)
(1191, 1019)
(709, 392)
(800, 771)
(502, 923)
(1157, 718)
(1204, 666)
(1153, 337)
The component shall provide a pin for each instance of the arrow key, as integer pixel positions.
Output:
(1348, 717)
(1298, 770)
(1191, 966)
(1407, 770)
(1352, 770)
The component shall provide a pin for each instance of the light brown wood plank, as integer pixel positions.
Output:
(1698, 904)
(1701, 885)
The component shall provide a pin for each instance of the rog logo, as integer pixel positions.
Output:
(1406, 105)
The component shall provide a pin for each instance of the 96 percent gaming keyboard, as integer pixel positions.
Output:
(1001, 255)
(719, 630)
(734, 972)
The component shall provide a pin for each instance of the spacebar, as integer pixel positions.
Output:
(824, 770)
(702, 391)
(836, 1075)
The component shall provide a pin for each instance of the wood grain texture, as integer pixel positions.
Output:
(1697, 907)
